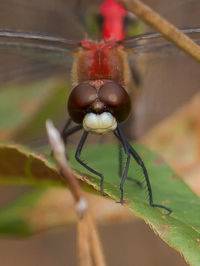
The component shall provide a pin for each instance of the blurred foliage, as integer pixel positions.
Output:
(24, 109)
(45, 208)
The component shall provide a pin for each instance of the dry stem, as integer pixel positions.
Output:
(83, 242)
(168, 30)
(96, 247)
(89, 246)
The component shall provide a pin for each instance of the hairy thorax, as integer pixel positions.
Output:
(100, 62)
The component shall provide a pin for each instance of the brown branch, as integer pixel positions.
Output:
(83, 242)
(88, 242)
(168, 30)
(58, 149)
(97, 254)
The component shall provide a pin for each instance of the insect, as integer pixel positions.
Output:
(102, 92)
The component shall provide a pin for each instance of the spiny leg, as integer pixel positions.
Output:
(126, 150)
(140, 162)
(66, 132)
(77, 156)
(120, 169)
(120, 160)
(69, 132)
(66, 126)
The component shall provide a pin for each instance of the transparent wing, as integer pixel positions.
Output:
(26, 54)
(36, 44)
(154, 42)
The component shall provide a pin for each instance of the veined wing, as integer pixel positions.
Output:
(37, 45)
(30, 74)
(155, 42)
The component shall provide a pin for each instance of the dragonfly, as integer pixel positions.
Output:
(102, 95)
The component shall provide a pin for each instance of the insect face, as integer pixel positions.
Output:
(99, 109)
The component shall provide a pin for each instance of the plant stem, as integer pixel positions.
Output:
(96, 244)
(83, 242)
(88, 242)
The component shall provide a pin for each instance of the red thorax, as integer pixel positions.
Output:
(100, 61)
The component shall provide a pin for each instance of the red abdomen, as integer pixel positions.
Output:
(113, 20)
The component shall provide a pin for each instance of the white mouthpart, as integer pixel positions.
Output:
(99, 123)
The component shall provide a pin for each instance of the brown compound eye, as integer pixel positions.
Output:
(80, 99)
(116, 99)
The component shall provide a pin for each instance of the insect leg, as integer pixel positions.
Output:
(117, 132)
(121, 166)
(120, 160)
(66, 132)
(140, 162)
(120, 170)
(77, 156)
(69, 120)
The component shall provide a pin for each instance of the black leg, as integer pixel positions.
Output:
(77, 156)
(140, 162)
(120, 160)
(120, 169)
(135, 155)
(66, 126)
(126, 150)
(67, 132)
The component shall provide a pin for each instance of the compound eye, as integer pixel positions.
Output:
(115, 97)
(80, 99)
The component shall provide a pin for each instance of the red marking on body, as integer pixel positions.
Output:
(105, 60)
(100, 66)
(101, 60)
(113, 14)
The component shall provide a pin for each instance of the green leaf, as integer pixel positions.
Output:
(19, 166)
(180, 229)
(28, 106)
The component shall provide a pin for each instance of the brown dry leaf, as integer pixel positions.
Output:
(177, 140)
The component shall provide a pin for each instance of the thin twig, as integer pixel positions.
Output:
(58, 149)
(89, 245)
(83, 242)
(96, 247)
(168, 30)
